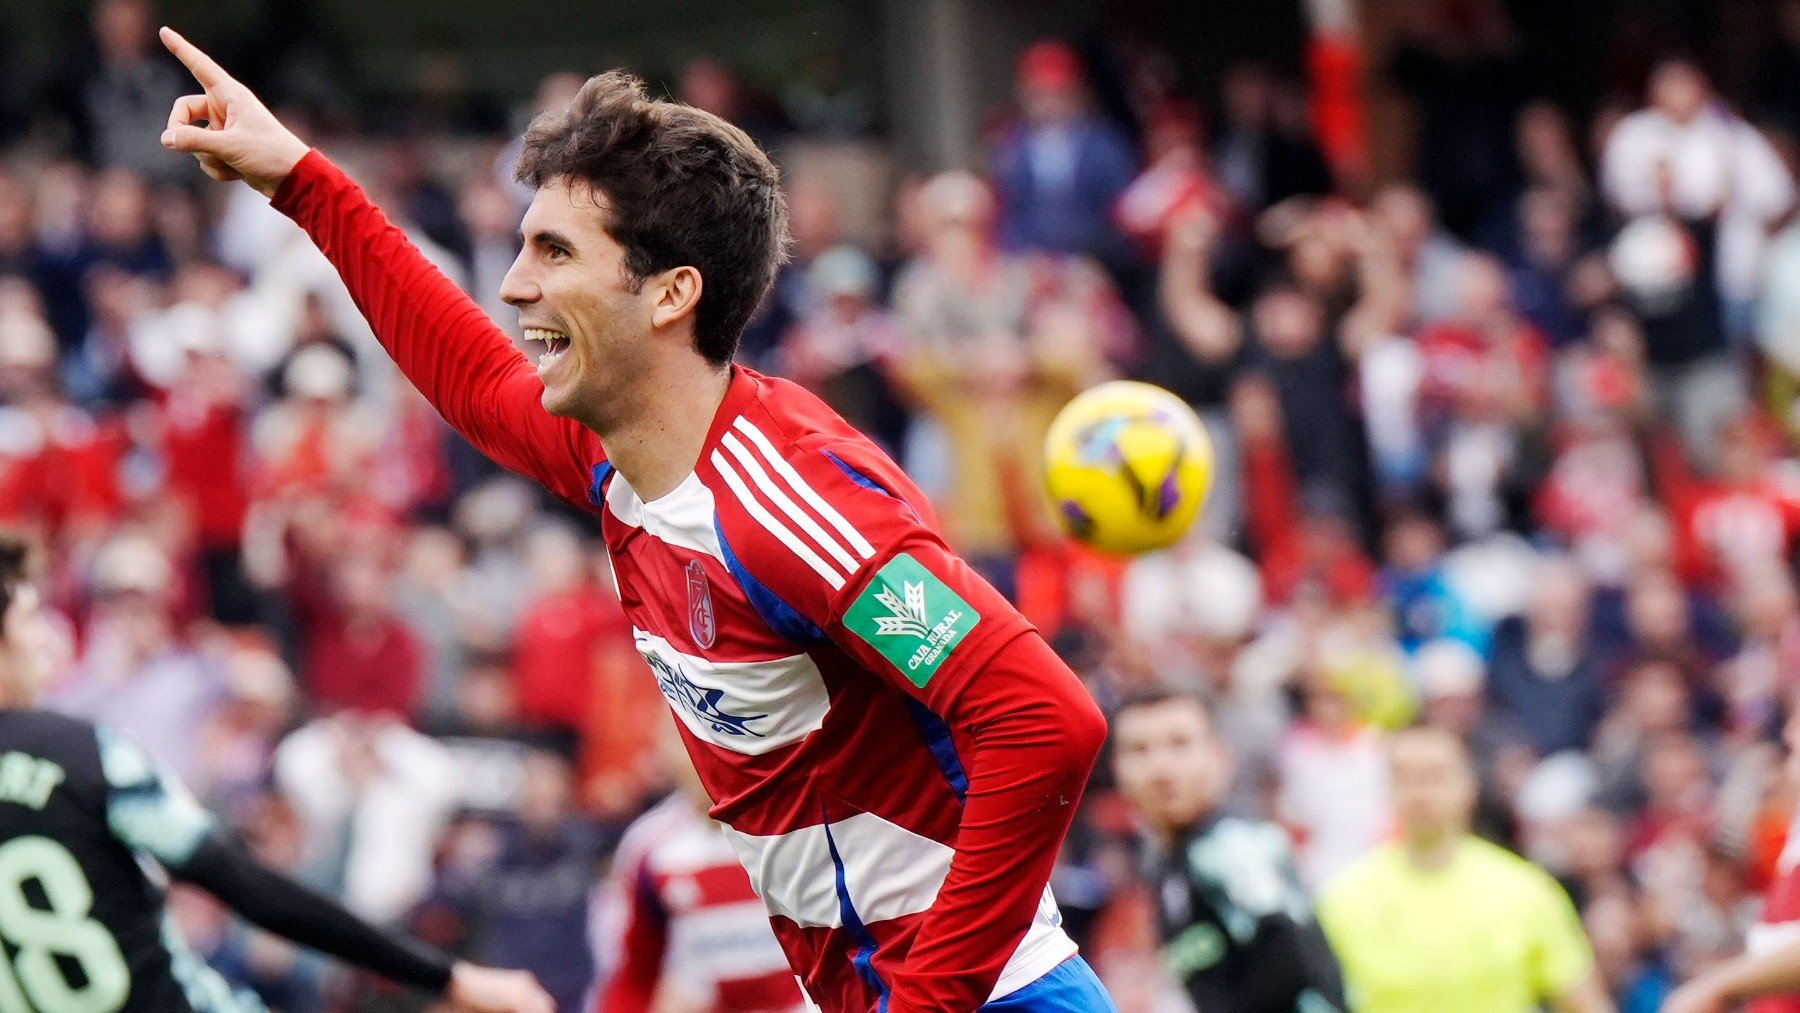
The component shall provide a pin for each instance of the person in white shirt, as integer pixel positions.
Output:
(1715, 162)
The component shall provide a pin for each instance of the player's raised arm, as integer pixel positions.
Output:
(444, 343)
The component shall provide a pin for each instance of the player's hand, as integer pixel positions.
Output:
(1702, 995)
(492, 990)
(242, 139)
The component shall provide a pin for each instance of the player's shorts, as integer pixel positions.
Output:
(1070, 987)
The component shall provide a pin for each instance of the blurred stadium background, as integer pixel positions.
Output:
(1502, 365)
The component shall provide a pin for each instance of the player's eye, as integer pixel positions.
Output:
(558, 253)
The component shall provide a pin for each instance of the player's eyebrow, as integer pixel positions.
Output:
(551, 237)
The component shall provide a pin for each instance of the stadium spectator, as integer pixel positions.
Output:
(1060, 168)
(1330, 765)
(995, 342)
(1687, 153)
(135, 672)
(1545, 671)
(121, 99)
(844, 347)
(1262, 159)
(527, 904)
(372, 796)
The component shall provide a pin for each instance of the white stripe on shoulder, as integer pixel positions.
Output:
(786, 505)
(775, 527)
(806, 491)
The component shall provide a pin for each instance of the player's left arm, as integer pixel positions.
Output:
(150, 811)
(853, 551)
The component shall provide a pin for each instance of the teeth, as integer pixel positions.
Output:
(548, 337)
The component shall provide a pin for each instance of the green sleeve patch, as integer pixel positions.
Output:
(911, 618)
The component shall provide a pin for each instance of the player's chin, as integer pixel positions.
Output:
(557, 399)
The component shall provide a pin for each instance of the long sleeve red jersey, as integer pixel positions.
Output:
(894, 751)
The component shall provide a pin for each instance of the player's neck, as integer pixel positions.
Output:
(1432, 852)
(657, 448)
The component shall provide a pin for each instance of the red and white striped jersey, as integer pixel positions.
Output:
(841, 793)
(894, 751)
(677, 912)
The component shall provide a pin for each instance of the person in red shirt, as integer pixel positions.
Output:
(896, 753)
(1744, 516)
(360, 655)
(1486, 362)
(203, 432)
(1299, 543)
(566, 622)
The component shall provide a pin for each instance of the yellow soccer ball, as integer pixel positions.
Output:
(1127, 467)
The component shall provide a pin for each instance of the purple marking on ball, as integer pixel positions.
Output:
(1169, 496)
(1080, 524)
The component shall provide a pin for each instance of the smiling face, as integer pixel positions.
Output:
(577, 299)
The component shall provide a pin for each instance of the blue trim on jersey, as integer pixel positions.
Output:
(853, 925)
(943, 748)
(855, 476)
(596, 488)
(1070, 987)
(868, 483)
(783, 618)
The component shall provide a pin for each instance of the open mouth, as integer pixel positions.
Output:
(555, 344)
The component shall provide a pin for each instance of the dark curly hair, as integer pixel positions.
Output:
(684, 188)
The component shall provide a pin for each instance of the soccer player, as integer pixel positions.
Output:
(1442, 920)
(895, 752)
(82, 928)
(677, 927)
(1237, 928)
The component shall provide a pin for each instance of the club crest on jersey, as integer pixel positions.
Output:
(911, 617)
(701, 622)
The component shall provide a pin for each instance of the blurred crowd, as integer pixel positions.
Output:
(1507, 448)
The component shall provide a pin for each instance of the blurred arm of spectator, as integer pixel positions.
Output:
(1384, 302)
(1681, 490)
(1269, 487)
(1210, 329)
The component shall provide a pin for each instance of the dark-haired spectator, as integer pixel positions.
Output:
(1460, 66)
(1261, 158)
(122, 99)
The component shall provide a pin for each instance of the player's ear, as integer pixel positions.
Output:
(677, 295)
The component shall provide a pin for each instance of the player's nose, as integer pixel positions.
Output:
(519, 288)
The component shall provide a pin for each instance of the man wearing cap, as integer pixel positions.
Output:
(1061, 168)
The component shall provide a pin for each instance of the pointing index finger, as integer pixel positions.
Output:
(205, 71)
